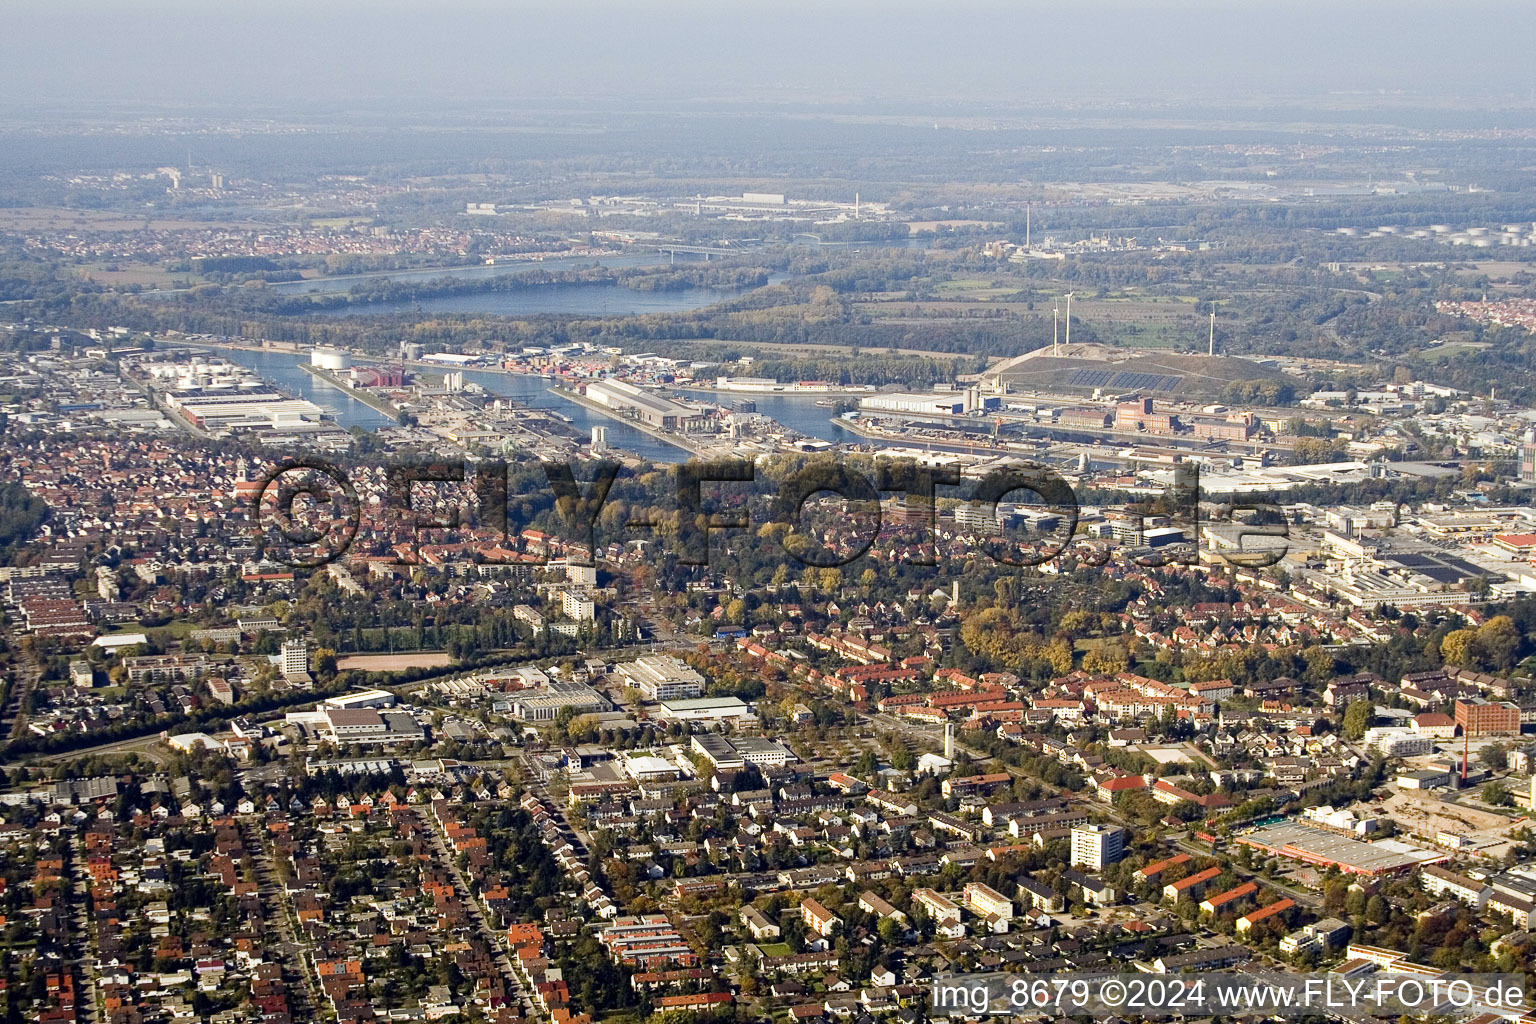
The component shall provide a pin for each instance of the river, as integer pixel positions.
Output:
(344, 282)
(285, 370)
(574, 299)
(577, 299)
(798, 412)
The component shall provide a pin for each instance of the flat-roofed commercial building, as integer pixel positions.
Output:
(370, 728)
(662, 677)
(706, 709)
(738, 752)
(234, 410)
(1325, 849)
(639, 404)
(644, 767)
(543, 704)
(359, 699)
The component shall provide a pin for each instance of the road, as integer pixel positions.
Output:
(581, 843)
(144, 746)
(13, 721)
(306, 1000)
(82, 937)
(1310, 900)
(1301, 896)
(512, 980)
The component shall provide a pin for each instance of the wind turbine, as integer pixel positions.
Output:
(1069, 319)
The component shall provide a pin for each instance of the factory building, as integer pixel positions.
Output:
(661, 677)
(636, 403)
(230, 409)
(940, 403)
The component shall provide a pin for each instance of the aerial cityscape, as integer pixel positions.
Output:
(649, 514)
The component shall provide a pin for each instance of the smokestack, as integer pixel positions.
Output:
(1069, 319)
(949, 740)
(1211, 347)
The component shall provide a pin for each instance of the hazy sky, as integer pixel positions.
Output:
(277, 54)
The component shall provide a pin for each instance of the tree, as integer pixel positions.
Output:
(1320, 664)
(1494, 756)
(1496, 794)
(1459, 647)
(325, 663)
(1107, 660)
(1357, 718)
(1499, 641)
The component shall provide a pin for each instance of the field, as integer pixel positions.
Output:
(789, 349)
(35, 218)
(393, 662)
(126, 273)
(339, 222)
(1450, 348)
(981, 289)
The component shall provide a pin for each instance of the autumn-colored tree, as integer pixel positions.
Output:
(1460, 647)
(1499, 641)
(1320, 664)
(1106, 660)
(1357, 718)
(1059, 654)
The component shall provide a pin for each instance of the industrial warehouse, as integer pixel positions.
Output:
(1326, 849)
(635, 403)
(235, 410)
(938, 403)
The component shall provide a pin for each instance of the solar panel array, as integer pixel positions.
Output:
(1131, 381)
(1124, 380)
(1090, 378)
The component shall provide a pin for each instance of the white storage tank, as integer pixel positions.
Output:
(330, 359)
